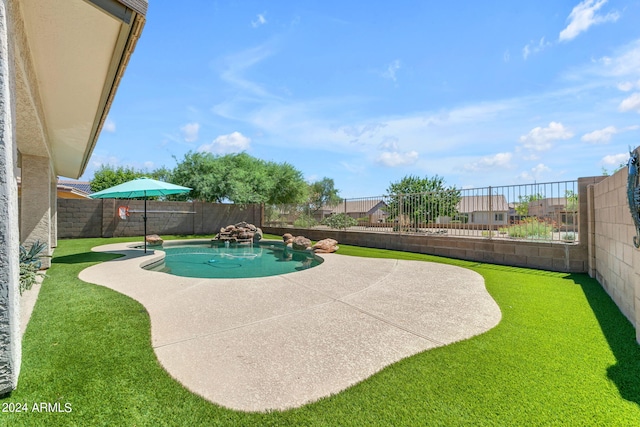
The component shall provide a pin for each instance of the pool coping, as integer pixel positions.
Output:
(280, 342)
(196, 242)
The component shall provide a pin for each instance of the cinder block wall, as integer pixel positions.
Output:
(99, 218)
(546, 256)
(79, 218)
(616, 262)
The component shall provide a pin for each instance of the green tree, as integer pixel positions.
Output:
(163, 174)
(421, 199)
(322, 193)
(287, 184)
(239, 178)
(108, 176)
(522, 208)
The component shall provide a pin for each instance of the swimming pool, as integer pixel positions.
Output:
(204, 261)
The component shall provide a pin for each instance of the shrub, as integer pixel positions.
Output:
(570, 237)
(340, 221)
(305, 221)
(30, 264)
(32, 256)
(530, 228)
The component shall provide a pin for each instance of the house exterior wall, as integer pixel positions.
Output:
(485, 218)
(10, 338)
(615, 261)
(36, 211)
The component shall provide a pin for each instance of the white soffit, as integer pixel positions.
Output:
(76, 49)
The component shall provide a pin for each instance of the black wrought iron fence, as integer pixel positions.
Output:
(539, 211)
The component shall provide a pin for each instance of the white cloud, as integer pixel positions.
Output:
(237, 64)
(233, 143)
(506, 56)
(583, 16)
(190, 131)
(625, 62)
(615, 159)
(534, 47)
(109, 126)
(390, 72)
(536, 173)
(628, 86)
(540, 139)
(631, 103)
(260, 20)
(602, 136)
(149, 165)
(353, 168)
(368, 130)
(500, 160)
(98, 160)
(395, 158)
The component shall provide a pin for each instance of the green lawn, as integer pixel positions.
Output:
(563, 354)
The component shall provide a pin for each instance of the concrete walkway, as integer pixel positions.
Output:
(282, 341)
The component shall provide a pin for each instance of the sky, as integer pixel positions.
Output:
(479, 93)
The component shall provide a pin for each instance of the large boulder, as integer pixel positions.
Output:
(301, 243)
(325, 246)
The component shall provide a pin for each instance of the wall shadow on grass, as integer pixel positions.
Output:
(84, 257)
(620, 335)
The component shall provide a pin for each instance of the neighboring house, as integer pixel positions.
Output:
(73, 189)
(372, 209)
(549, 207)
(67, 189)
(60, 66)
(484, 210)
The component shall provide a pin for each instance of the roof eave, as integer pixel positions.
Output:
(128, 42)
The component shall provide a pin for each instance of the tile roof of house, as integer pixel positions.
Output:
(83, 186)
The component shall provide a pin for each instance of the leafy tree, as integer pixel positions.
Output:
(163, 174)
(522, 207)
(421, 199)
(108, 176)
(287, 184)
(322, 193)
(239, 178)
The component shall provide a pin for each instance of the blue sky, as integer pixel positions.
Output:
(480, 93)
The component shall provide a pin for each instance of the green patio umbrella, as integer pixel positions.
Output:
(140, 187)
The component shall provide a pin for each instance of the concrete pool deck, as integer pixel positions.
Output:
(282, 341)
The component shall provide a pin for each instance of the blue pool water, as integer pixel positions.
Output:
(233, 262)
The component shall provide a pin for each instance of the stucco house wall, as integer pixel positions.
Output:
(49, 53)
(10, 342)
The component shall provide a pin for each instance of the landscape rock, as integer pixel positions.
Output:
(325, 246)
(154, 240)
(301, 243)
(241, 231)
(287, 238)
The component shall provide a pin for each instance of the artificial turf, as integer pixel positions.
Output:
(563, 354)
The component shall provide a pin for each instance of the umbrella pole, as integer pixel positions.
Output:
(145, 223)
